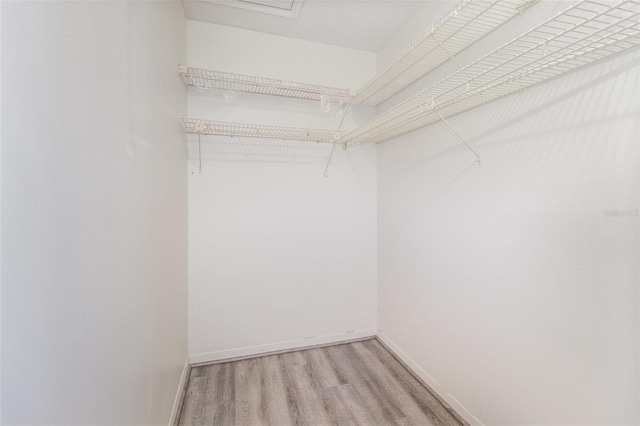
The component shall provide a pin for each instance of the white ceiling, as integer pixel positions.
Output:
(358, 24)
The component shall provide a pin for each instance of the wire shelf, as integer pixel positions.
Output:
(584, 33)
(206, 127)
(467, 22)
(463, 25)
(210, 79)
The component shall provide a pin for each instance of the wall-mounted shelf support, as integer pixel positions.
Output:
(333, 148)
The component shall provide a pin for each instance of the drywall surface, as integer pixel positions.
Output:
(419, 23)
(514, 284)
(279, 255)
(94, 212)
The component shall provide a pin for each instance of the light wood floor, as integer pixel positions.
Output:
(349, 384)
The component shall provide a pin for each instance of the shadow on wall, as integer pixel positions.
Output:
(548, 109)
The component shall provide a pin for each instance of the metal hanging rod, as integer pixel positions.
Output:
(582, 34)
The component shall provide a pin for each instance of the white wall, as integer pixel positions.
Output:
(505, 283)
(94, 219)
(419, 23)
(279, 255)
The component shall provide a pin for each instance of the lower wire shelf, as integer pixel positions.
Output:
(223, 128)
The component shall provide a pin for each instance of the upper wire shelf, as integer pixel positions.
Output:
(462, 26)
(584, 33)
(210, 79)
(223, 128)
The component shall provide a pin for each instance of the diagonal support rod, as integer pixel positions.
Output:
(453, 58)
(333, 148)
(199, 155)
(464, 141)
(447, 52)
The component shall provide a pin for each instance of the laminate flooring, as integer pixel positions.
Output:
(357, 383)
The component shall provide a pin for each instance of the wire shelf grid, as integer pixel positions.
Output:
(209, 79)
(584, 33)
(463, 25)
(207, 127)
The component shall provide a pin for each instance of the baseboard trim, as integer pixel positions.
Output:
(429, 382)
(182, 388)
(279, 348)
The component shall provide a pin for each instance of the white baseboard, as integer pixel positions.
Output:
(433, 384)
(251, 351)
(175, 411)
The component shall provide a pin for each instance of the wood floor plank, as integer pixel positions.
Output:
(385, 392)
(394, 389)
(276, 408)
(338, 412)
(326, 384)
(323, 375)
(341, 401)
(350, 384)
(194, 401)
(368, 394)
(248, 382)
(224, 412)
(298, 378)
(201, 390)
(423, 396)
(357, 408)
